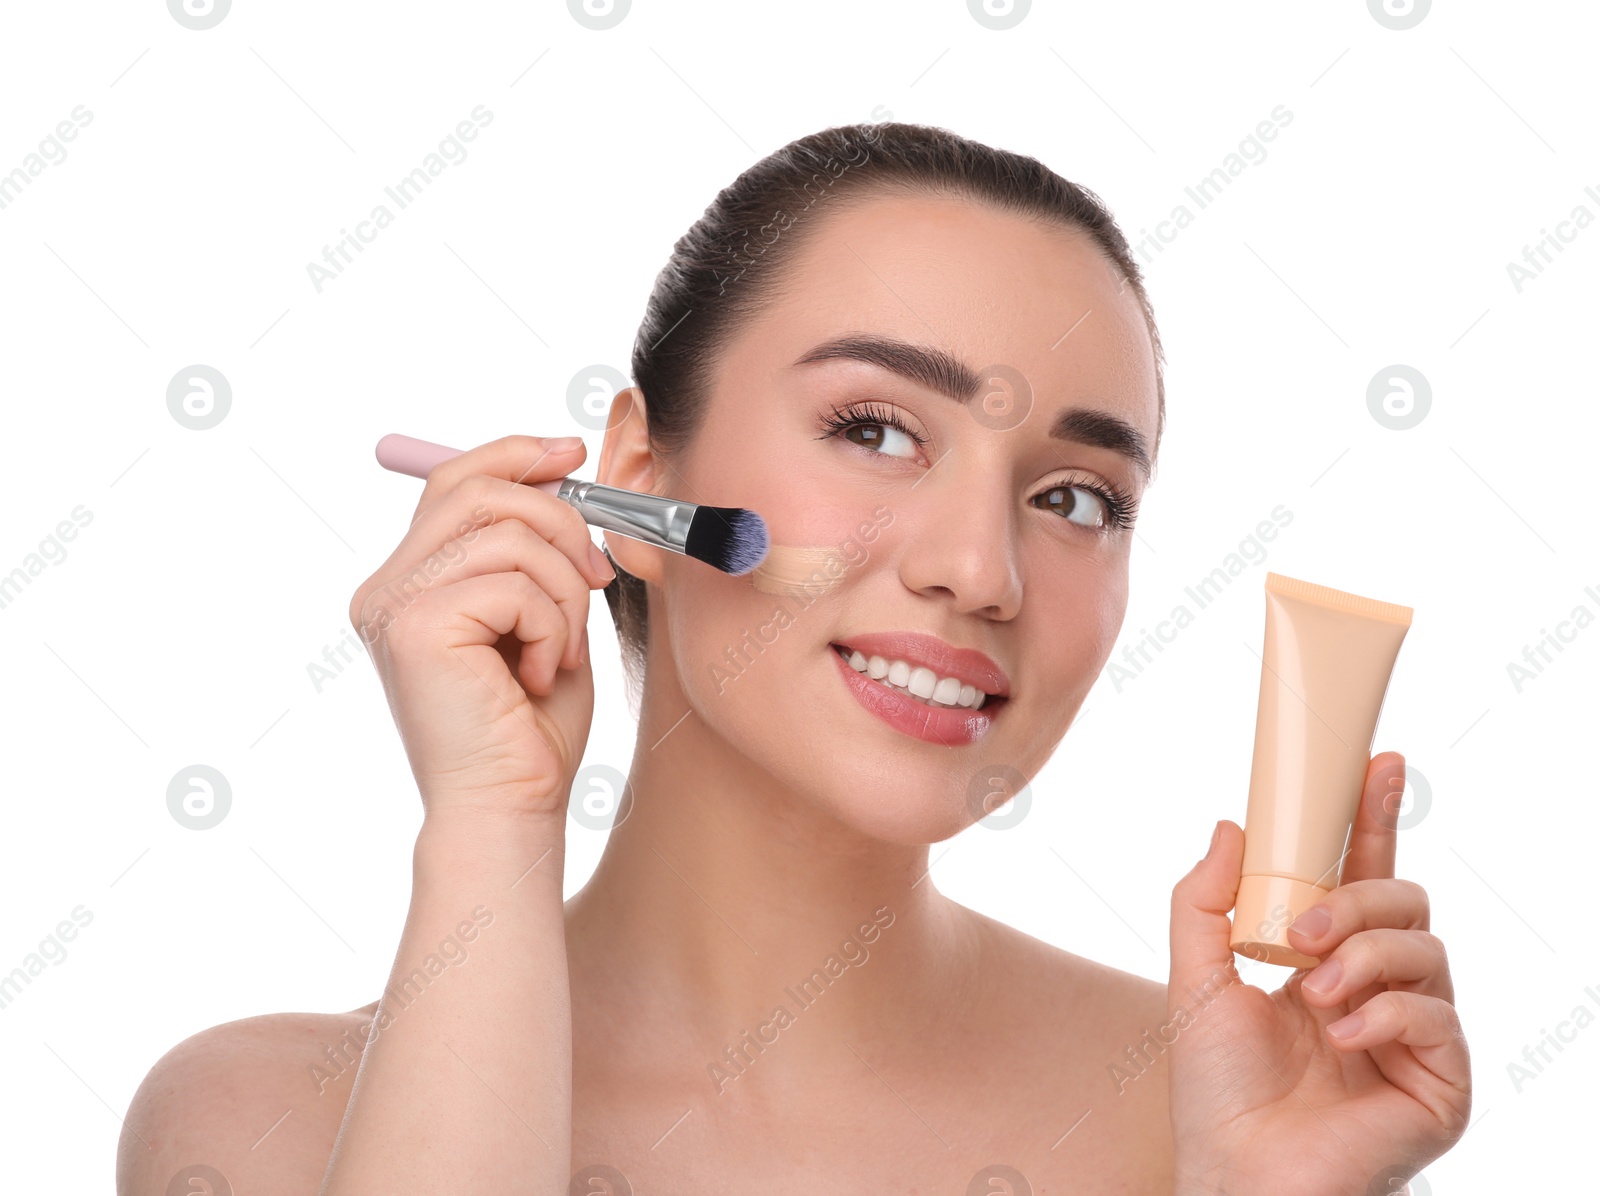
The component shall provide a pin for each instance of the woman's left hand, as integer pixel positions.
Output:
(1351, 1077)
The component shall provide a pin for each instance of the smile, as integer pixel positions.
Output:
(926, 718)
(915, 681)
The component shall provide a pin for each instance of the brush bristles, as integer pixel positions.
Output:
(728, 538)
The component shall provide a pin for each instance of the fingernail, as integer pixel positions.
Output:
(601, 565)
(583, 647)
(563, 444)
(1216, 836)
(1324, 978)
(1314, 923)
(1348, 1026)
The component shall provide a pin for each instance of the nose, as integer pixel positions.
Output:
(962, 542)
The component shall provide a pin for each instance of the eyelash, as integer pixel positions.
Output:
(1120, 507)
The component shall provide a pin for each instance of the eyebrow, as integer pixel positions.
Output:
(938, 371)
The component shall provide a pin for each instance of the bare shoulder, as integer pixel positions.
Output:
(257, 1101)
(1084, 1048)
(1052, 979)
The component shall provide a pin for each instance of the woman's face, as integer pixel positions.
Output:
(972, 524)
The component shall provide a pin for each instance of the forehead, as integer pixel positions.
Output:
(989, 286)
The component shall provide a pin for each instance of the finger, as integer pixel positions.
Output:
(434, 542)
(1429, 1026)
(1359, 905)
(479, 612)
(493, 606)
(1372, 836)
(506, 546)
(523, 459)
(1409, 960)
(509, 545)
(518, 462)
(1200, 927)
(480, 500)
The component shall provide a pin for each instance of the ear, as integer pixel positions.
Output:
(626, 460)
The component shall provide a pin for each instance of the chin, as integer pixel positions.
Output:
(798, 715)
(902, 813)
(913, 796)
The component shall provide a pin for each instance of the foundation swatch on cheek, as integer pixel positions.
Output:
(796, 570)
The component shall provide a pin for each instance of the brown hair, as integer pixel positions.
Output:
(729, 265)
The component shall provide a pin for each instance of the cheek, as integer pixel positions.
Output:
(1085, 617)
(815, 517)
(1109, 606)
(739, 651)
(730, 642)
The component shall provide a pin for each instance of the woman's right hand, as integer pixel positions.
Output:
(477, 626)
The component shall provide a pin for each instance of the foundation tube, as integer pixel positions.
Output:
(1325, 665)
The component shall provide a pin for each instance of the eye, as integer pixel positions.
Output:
(884, 439)
(1099, 508)
(1077, 504)
(874, 429)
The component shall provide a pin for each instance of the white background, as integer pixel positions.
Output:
(219, 563)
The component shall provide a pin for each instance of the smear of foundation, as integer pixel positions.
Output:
(799, 571)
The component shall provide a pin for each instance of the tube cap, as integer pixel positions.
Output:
(1262, 913)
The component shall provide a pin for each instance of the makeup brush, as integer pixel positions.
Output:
(732, 539)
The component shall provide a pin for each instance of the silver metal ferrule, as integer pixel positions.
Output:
(663, 522)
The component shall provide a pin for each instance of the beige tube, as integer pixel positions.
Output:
(1325, 666)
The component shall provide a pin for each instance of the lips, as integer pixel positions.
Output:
(945, 726)
(967, 665)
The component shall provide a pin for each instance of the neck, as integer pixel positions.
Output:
(727, 897)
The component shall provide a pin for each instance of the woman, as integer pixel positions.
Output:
(939, 360)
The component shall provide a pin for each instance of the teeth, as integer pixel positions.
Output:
(920, 682)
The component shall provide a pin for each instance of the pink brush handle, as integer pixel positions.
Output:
(408, 455)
